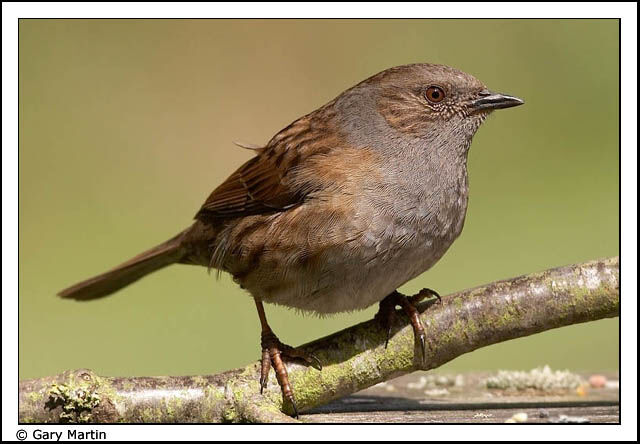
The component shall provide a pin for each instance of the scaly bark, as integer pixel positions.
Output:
(353, 359)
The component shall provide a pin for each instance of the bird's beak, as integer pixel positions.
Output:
(488, 100)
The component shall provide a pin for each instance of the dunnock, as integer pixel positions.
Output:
(341, 207)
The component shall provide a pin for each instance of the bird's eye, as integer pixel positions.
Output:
(434, 94)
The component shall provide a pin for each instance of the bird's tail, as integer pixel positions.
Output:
(167, 253)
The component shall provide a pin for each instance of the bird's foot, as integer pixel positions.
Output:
(387, 311)
(274, 353)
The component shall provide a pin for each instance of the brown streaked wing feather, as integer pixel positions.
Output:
(256, 187)
(263, 184)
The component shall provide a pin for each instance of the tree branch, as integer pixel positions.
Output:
(353, 359)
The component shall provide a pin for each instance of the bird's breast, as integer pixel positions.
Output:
(344, 253)
(419, 226)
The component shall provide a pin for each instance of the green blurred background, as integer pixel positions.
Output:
(126, 126)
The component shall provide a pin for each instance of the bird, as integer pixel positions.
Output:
(340, 208)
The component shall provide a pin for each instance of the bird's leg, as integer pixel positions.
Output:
(387, 311)
(273, 352)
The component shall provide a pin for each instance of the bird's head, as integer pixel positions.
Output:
(423, 101)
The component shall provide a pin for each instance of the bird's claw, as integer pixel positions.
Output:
(386, 342)
(295, 408)
(314, 362)
(387, 311)
(274, 353)
(424, 293)
(423, 347)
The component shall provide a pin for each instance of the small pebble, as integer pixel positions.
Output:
(542, 413)
(564, 419)
(520, 417)
(597, 381)
(582, 390)
(612, 385)
(422, 383)
(436, 392)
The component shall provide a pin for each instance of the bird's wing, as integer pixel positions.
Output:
(268, 183)
(258, 186)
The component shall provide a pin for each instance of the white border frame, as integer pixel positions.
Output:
(626, 11)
